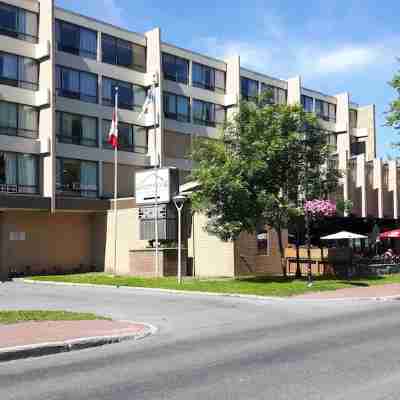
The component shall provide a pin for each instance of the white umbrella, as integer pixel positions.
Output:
(344, 235)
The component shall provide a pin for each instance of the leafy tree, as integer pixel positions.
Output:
(393, 116)
(268, 159)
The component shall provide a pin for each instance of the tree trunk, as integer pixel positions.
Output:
(281, 252)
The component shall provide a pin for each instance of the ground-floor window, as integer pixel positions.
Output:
(19, 173)
(263, 242)
(77, 178)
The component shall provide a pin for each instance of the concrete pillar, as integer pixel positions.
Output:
(294, 90)
(154, 66)
(47, 114)
(232, 97)
(362, 183)
(366, 121)
(393, 186)
(378, 183)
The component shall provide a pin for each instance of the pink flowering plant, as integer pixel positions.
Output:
(320, 208)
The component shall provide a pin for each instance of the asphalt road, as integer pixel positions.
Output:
(214, 348)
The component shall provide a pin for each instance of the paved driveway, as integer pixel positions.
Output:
(214, 348)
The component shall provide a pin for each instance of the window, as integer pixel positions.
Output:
(208, 78)
(131, 138)
(208, 114)
(77, 178)
(18, 23)
(278, 95)
(332, 141)
(353, 119)
(308, 103)
(357, 148)
(19, 173)
(76, 84)
(76, 40)
(19, 71)
(76, 129)
(175, 68)
(130, 96)
(120, 52)
(177, 107)
(325, 110)
(249, 89)
(18, 120)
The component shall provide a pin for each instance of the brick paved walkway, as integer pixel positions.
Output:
(389, 290)
(27, 333)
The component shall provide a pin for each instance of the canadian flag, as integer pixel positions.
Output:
(113, 134)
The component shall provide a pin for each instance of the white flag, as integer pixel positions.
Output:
(148, 104)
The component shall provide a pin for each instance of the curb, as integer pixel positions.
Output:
(44, 349)
(234, 295)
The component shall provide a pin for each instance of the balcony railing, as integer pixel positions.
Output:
(16, 188)
(75, 189)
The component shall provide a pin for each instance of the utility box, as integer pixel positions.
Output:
(167, 222)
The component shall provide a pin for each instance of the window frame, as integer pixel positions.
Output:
(75, 50)
(177, 116)
(246, 97)
(17, 185)
(81, 139)
(131, 148)
(19, 82)
(17, 129)
(116, 56)
(211, 123)
(76, 95)
(213, 72)
(76, 192)
(175, 77)
(18, 34)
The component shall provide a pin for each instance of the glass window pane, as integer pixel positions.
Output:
(182, 70)
(124, 53)
(125, 95)
(183, 108)
(140, 139)
(139, 96)
(88, 43)
(139, 57)
(8, 66)
(197, 74)
(220, 80)
(70, 81)
(88, 87)
(109, 51)
(220, 114)
(168, 66)
(28, 121)
(170, 105)
(28, 73)
(88, 179)
(8, 117)
(8, 17)
(68, 40)
(106, 124)
(31, 24)
(27, 173)
(89, 131)
(197, 110)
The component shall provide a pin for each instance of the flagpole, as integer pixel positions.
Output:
(156, 160)
(115, 186)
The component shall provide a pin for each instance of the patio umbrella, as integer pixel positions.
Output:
(390, 234)
(344, 235)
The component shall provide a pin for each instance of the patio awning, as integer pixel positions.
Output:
(395, 233)
(344, 235)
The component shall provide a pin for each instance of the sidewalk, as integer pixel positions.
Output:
(368, 292)
(30, 339)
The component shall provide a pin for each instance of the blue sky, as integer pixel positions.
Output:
(335, 46)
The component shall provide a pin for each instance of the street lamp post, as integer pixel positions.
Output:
(179, 202)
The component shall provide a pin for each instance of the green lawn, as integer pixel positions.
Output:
(259, 286)
(12, 317)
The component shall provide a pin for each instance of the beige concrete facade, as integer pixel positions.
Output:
(372, 185)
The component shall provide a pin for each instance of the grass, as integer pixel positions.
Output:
(263, 286)
(12, 317)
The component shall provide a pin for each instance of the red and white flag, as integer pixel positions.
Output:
(113, 134)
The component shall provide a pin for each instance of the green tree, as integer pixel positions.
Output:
(268, 160)
(393, 116)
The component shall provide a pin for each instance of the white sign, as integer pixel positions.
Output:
(145, 186)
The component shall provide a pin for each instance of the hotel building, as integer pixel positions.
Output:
(58, 71)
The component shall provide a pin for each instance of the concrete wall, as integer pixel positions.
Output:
(211, 256)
